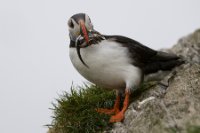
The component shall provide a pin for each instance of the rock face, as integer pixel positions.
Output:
(189, 47)
(174, 105)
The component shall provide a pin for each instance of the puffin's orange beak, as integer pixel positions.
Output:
(84, 31)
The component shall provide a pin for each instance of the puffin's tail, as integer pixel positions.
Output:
(162, 61)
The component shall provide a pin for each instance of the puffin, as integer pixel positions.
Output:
(113, 61)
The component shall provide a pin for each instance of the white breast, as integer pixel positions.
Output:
(109, 65)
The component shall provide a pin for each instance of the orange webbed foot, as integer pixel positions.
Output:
(117, 118)
(107, 111)
(120, 116)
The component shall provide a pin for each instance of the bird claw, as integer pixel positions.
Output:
(117, 118)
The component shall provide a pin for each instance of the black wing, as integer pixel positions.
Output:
(146, 58)
(138, 52)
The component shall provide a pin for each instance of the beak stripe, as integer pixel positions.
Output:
(84, 31)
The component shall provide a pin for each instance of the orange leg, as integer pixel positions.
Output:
(120, 116)
(115, 110)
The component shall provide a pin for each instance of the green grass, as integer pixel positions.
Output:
(75, 111)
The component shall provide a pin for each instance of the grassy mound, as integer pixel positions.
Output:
(75, 111)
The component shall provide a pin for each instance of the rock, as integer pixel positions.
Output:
(174, 105)
(188, 47)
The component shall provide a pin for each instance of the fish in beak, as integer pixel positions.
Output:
(84, 33)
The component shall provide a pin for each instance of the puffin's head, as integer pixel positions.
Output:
(79, 24)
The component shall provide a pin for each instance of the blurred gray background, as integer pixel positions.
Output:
(34, 61)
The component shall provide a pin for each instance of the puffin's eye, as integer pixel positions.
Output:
(70, 24)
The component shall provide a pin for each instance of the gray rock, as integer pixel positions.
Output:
(176, 104)
(188, 47)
